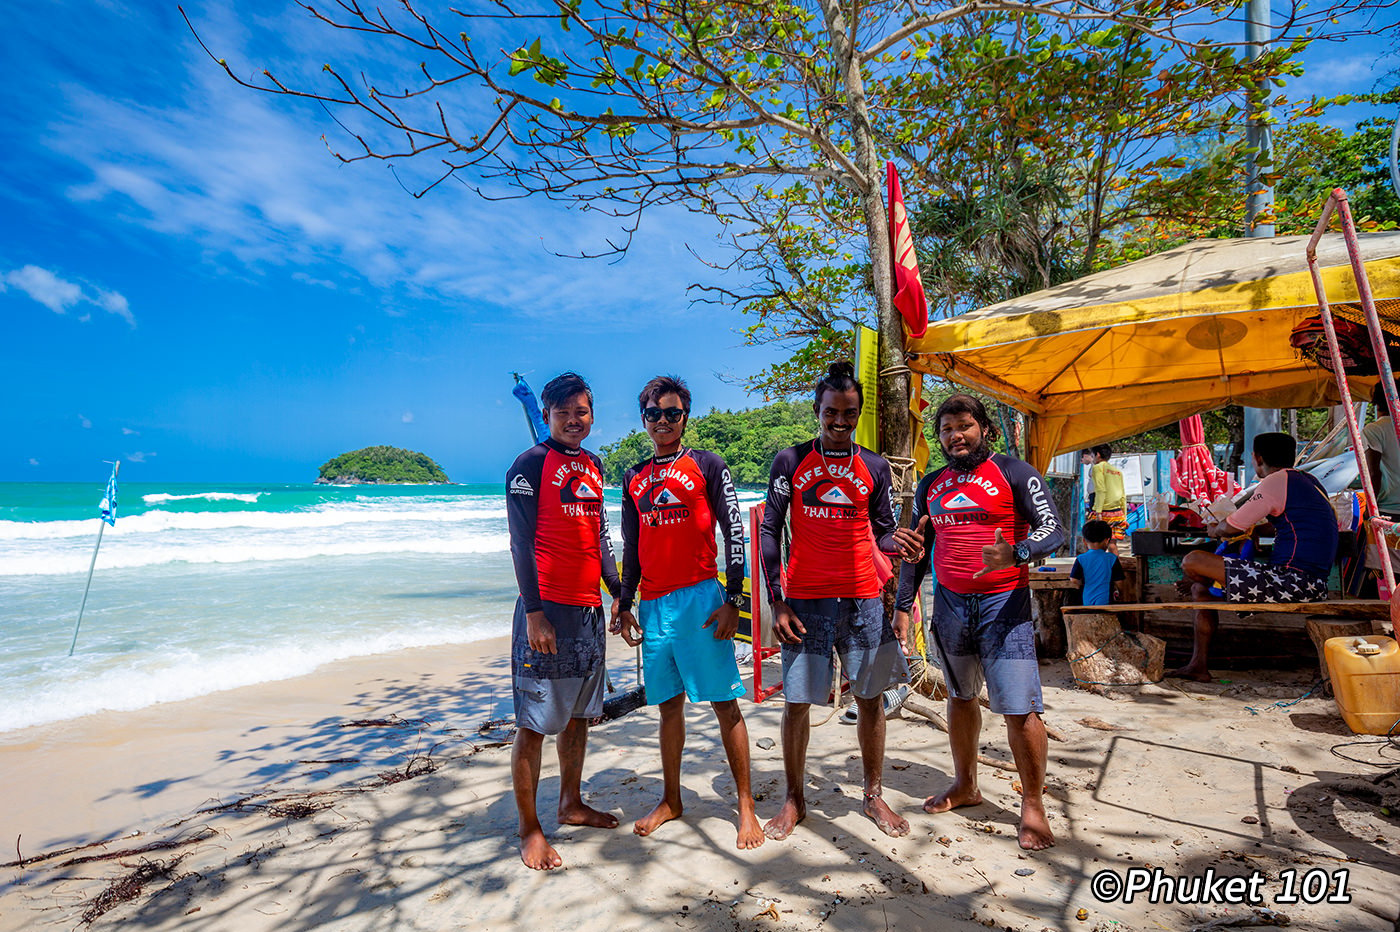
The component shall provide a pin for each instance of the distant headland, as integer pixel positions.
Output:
(381, 466)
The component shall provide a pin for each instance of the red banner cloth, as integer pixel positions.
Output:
(1194, 474)
(909, 297)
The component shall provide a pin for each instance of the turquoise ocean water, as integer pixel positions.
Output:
(202, 587)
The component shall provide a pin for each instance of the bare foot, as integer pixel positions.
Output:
(782, 824)
(1034, 833)
(663, 813)
(581, 813)
(952, 798)
(750, 832)
(885, 818)
(537, 853)
(1199, 674)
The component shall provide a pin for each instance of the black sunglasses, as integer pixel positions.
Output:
(672, 415)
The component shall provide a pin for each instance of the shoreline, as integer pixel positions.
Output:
(160, 760)
(273, 816)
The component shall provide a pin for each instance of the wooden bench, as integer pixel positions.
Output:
(1321, 620)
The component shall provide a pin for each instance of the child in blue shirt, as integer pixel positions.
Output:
(1097, 571)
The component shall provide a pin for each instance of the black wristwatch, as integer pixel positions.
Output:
(737, 600)
(1023, 553)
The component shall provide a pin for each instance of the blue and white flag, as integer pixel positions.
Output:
(109, 500)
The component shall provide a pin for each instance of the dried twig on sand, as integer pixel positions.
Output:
(128, 887)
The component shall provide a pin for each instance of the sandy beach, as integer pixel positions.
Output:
(366, 796)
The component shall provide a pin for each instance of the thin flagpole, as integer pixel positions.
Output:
(101, 526)
(109, 507)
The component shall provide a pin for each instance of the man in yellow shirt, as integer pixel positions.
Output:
(1108, 503)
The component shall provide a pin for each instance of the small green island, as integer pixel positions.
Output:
(381, 466)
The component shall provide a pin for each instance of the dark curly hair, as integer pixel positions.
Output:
(840, 377)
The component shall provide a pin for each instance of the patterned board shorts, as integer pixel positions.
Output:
(1264, 582)
(552, 689)
(1117, 519)
(858, 630)
(989, 638)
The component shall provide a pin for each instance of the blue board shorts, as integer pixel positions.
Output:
(551, 689)
(989, 635)
(679, 654)
(858, 630)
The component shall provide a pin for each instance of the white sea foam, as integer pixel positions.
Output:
(187, 674)
(47, 562)
(161, 497)
(329, 516)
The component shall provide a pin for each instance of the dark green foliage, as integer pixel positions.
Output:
(382, 464)
(748, 440)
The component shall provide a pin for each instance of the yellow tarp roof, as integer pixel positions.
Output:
(1185, 331)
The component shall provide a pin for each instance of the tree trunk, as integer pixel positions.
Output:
(894, 380)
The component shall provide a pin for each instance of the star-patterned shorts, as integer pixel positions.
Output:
(1263, 582)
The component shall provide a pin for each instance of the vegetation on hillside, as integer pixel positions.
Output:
(382, 464)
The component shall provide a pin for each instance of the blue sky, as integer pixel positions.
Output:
(189, 282)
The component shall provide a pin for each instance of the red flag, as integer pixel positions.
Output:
(909, 297)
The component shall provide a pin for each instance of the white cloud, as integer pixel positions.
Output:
(245, 176)
(407, 417)
(59, 295)
(33, 461)
(83, 420)
(114, 303)
(45, 287)
(128, 432)
(138, 457)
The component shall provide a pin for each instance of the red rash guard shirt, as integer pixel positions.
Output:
(835, 501)
(965, 509)
(558, 528)
(670, 507)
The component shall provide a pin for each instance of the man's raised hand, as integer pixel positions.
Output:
(997, 555)
(911, 541)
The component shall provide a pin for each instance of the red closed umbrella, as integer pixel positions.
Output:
(1194, 474)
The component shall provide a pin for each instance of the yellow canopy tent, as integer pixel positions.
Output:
(1149, 343)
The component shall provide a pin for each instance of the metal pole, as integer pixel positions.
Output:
(1259, 200)
(1335, 200)
(101, 526)
(1259, 195)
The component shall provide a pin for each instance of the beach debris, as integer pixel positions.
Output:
(417, 766)
(769, 912)
(1024, 871)
(1082, 915)
(1258, 916)
(1250, 820)
(1099, 724)
(944, 840)
(129, 886)
(333, 760)
(203, 834)
(292, 808)
(765, 744)
(495, 724)
(393, 721)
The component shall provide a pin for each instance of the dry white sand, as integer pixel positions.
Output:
(274, 816)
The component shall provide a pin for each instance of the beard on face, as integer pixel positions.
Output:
(970, 460)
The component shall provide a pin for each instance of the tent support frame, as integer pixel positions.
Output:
(1337, 204)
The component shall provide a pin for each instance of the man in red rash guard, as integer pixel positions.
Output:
(560, 547)
(983, 517)
(670, 507)
(836, 494)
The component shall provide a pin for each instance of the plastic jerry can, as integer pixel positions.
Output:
(1365, 674)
